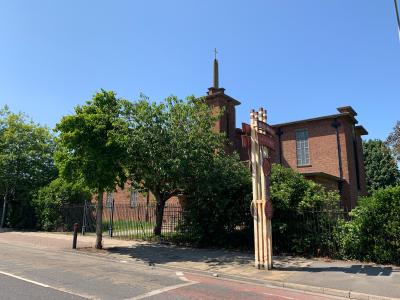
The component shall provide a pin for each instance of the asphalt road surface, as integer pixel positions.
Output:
(40, 273)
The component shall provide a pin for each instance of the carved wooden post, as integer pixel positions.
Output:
(261, 141)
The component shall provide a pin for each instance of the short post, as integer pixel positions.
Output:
(75, 238)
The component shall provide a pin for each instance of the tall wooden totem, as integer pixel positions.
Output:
(258, 138)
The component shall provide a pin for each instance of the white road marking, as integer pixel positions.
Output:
(24, 279)
(183, 278)
(168, 288)
(162, 290)
(47, 286)
(275, 295)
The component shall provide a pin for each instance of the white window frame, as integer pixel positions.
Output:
(109, 199)
(133, 199)
(302, 148)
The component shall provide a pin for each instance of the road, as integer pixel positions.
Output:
(39, 273)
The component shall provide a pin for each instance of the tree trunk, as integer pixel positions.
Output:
(159, 214)
(99, 221)
(3, 214)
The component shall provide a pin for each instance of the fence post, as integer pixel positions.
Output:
(110, 226)
(147, 205)
(74, 240)
(84, 219)
(3, 212)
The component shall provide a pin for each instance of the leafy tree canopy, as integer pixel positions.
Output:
(380, 166)
(394, 141)
(26, 164)
(291, 192)
(87, 146)
(170, 145)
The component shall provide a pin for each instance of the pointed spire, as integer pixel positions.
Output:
(215, 79)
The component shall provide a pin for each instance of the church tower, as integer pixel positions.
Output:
(221, 102)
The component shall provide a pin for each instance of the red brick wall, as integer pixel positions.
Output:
(324, 153)
(122, 197)
(322, 145)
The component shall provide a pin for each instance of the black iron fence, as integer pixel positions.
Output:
(1, 207)
(125, 221)
(307, 232)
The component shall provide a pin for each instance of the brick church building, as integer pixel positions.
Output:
(325, 149)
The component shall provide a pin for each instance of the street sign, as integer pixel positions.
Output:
(269, 210)
(246, 129)
(246, 142)
(266, 140)
(267, 128)
(266, 167)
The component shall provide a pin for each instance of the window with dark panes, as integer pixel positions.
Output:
(109, 200)
(302, 148)
(134, 198)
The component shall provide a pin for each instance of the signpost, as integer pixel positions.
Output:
(258, 136)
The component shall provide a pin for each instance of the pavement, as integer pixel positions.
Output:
(179, 272)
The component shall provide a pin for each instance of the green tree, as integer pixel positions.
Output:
(26, 164)
(380, 166)
(394, 141)
(88, 150)
(50, 200)
(217, 208)
(169, 144)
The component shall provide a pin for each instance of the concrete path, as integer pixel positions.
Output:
(346, 279)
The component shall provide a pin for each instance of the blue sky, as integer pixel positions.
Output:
(298, 59)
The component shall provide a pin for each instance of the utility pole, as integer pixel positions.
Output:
(396, 7)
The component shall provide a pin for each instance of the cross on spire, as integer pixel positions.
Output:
(215, 78)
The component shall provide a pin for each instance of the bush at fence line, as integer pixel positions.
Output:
(373, 233)
(49, 200)
(304, 213)
(218, 200)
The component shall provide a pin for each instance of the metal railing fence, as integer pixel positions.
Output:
(307, 232)
(311, 232)
(124, 221)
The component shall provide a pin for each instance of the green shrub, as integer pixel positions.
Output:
(217, 209)
(304, 214)
(218, 205)
(373, 233)
(49, 201)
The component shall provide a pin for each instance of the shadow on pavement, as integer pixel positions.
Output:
(163, 254)
(368, 270)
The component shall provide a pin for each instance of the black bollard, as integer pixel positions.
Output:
(75, 236)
